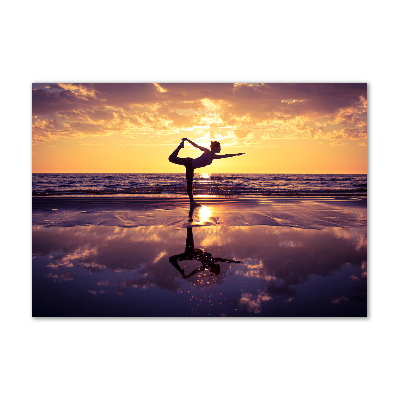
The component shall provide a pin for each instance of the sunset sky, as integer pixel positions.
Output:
(281, 128)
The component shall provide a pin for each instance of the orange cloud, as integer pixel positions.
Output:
(239, 115)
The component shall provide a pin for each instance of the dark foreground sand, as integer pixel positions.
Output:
(262, 257)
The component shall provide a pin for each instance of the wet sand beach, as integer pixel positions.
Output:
(232, 256)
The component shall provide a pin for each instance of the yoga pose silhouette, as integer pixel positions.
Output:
(208, 261)
(192, 163)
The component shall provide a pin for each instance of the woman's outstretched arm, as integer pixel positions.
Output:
(227, 155)
(196, 145)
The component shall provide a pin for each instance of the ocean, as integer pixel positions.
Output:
(168, 185)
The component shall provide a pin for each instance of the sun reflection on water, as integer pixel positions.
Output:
(205, 214)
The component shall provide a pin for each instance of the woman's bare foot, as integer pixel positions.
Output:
(194, 204)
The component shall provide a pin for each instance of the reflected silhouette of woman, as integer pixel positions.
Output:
(192, 163)
(208, 261)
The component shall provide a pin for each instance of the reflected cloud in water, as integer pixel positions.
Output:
(260, 270)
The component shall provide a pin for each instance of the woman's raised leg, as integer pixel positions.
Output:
(174, 156)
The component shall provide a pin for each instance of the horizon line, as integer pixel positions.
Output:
(215, 173)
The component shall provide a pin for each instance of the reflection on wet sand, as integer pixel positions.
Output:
(207, 260)
(100, 270)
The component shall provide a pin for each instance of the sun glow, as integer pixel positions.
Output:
(205, 214)
(134, 127)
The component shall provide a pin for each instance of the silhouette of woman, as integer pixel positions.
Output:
(208, 261)
(192, 163)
